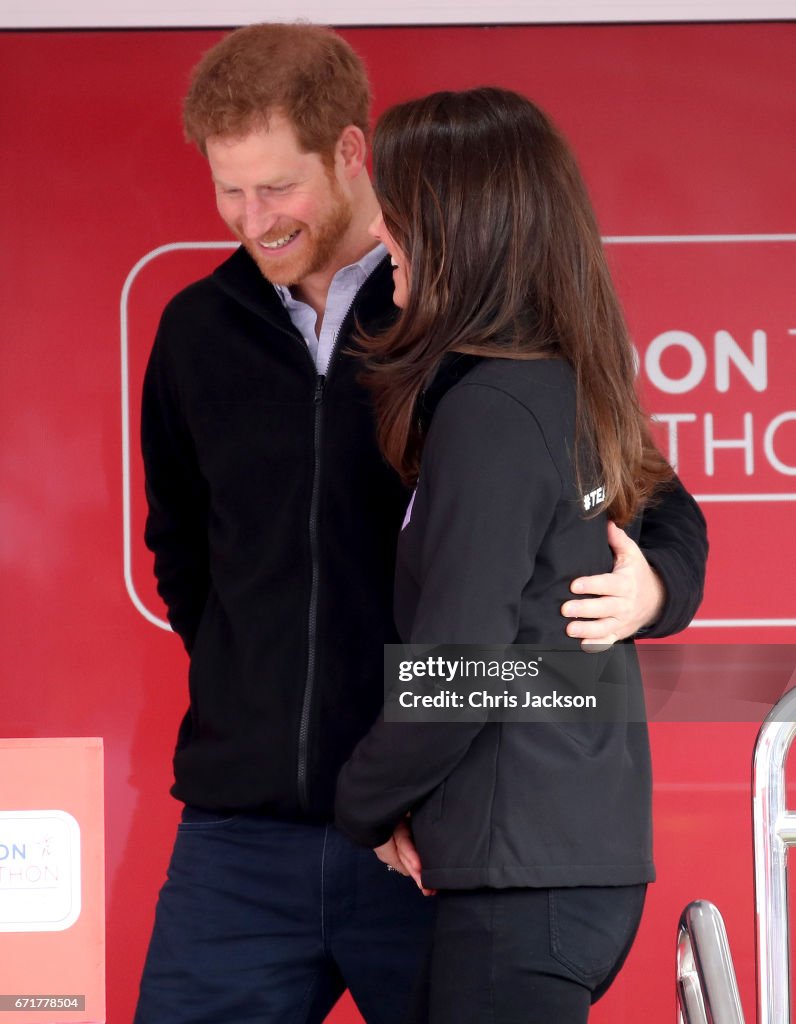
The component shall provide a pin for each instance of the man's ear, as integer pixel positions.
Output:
(351, 151)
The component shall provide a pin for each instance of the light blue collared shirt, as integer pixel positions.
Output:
(342, 292)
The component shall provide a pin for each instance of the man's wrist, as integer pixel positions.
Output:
(659, 602)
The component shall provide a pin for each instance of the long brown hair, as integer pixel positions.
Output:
(483, 195)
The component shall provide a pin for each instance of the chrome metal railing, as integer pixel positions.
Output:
(774, 832)
(707, 991)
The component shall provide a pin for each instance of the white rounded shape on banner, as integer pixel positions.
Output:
(768, 443)
(675, 385)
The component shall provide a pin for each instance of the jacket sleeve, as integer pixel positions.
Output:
(675, 543)
(487, 492)
(176, 525)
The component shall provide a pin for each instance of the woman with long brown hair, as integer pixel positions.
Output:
(505, 392)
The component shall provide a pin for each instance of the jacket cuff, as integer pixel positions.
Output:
(683, 593)
(360, 834)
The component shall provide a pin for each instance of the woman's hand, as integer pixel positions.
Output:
(388, 854)
(400, 854)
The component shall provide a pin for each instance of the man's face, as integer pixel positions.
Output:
(287, 207)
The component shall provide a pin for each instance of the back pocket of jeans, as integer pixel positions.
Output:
(591, 927)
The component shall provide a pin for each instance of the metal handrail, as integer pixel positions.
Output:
(774, 832)
(707, 991)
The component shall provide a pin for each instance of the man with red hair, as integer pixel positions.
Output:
(273, 520)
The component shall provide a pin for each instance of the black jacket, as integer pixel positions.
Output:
(274, 520)
(496, 534)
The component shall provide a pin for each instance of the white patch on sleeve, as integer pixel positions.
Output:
(593, 498)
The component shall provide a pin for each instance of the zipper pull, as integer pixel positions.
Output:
(320, 380)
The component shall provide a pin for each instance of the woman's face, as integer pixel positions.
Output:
(400, 261)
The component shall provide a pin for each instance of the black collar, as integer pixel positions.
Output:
(240, 277)
(453, 367)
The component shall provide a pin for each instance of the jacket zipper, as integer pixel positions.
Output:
(312, 616)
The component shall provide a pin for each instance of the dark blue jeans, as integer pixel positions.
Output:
(262, 921)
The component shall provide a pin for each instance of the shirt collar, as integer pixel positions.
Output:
(359, 271)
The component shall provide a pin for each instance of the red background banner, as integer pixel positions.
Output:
(681, 131)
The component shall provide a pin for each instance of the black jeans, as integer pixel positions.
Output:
(525, 956)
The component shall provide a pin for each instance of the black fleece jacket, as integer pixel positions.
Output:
(274, 520)
(496, 533)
